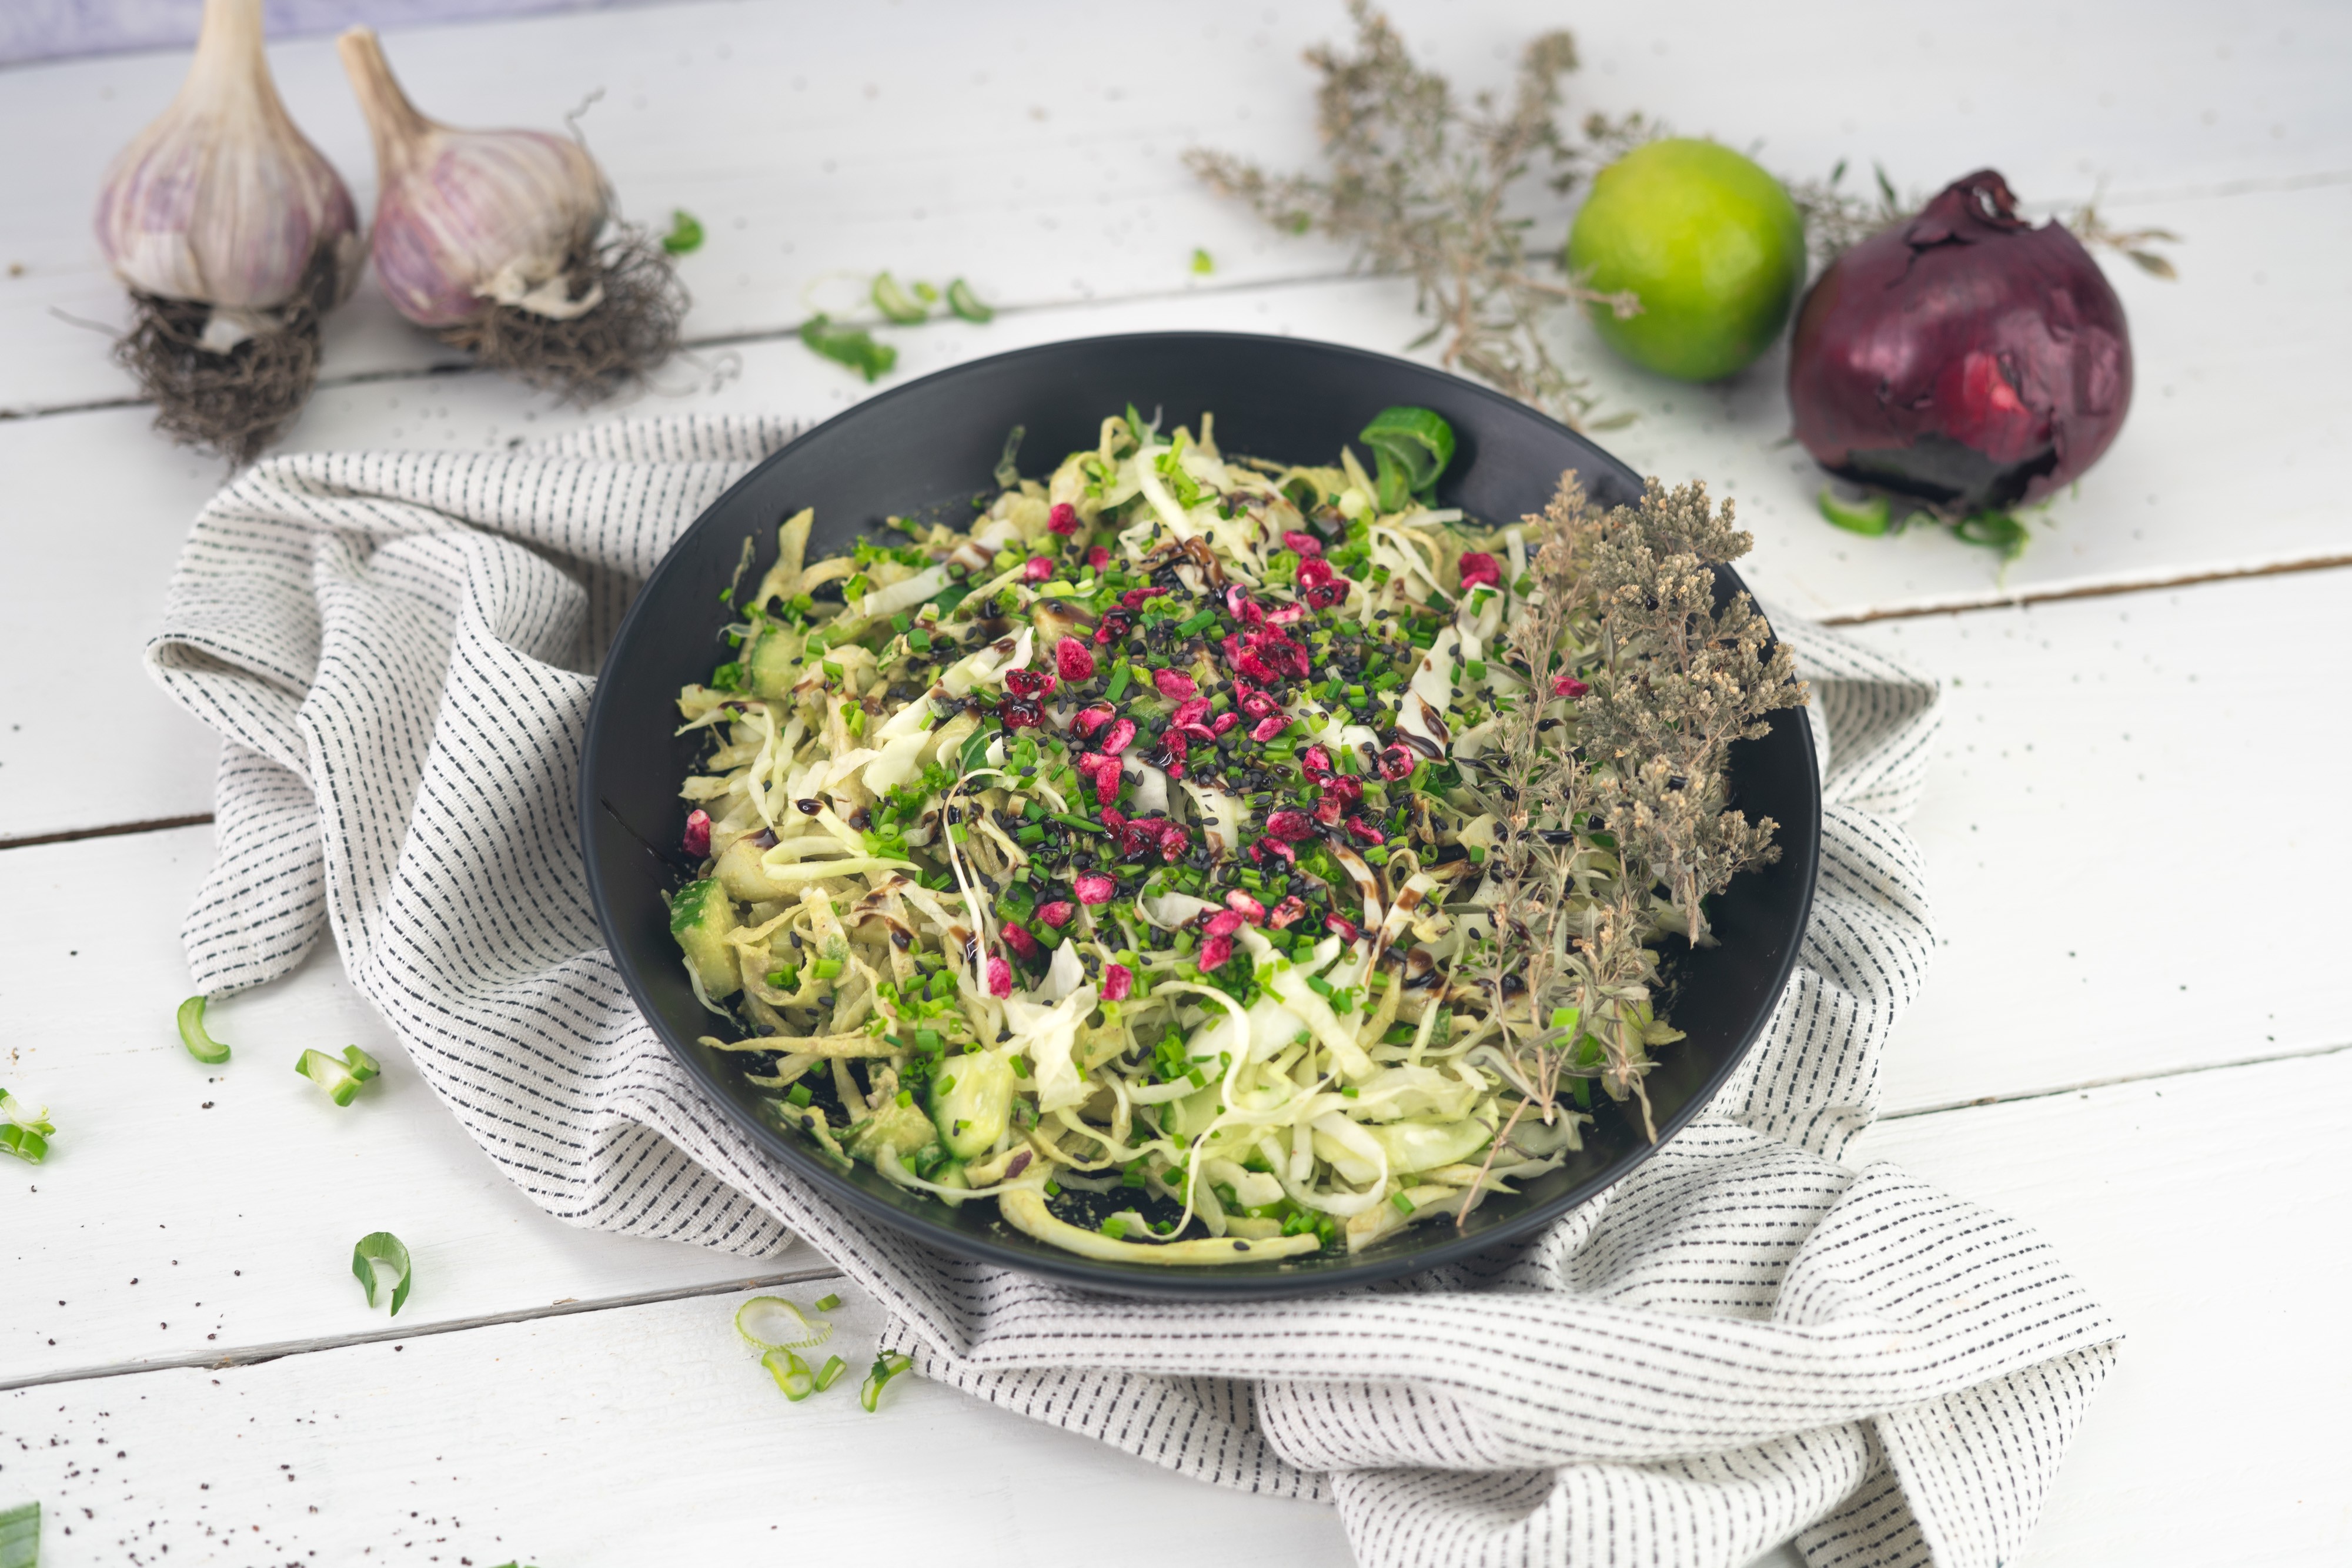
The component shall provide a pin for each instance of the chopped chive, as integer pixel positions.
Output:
(1202, 621)
(830, 1373)
(1080, 822)
(377, 1250)
(826, 968)
(825, 1303)
(201, 1046)
(1400, 1203)
(799, 1095)
(340, 1078)
(1119, 675)
(24, 1133)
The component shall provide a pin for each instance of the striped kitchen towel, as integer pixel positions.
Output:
(1742, 1343)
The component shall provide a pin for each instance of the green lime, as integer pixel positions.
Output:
(1710, 241)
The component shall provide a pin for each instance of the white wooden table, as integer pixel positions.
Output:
(2136, 1036)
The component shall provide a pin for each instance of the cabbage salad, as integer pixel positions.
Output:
(1112, 859)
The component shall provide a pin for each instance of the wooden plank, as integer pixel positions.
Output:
(643, 1434)
(2097, 921)
(2204, 1210)
(186, 1211)
(580, 1409)
(957, 140)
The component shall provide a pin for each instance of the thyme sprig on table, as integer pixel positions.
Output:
(1626, 597)
(1421, 185)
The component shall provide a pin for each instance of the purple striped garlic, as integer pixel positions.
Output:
(221, 201)
(468, 219)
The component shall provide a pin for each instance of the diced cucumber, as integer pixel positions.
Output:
(701, 917)
(769, 668)
(743, 872)
(1413, 1145)
(972, 1112)
(904, 1128)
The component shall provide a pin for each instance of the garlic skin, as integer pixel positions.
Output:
(466, 219)
(222, 200)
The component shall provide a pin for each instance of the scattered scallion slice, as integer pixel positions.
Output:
(341, 1077)
(20, 1536)
(378, 1251)
(1870, 517)
(894, 302)
(851, 346)
(773, 1323)
(684, 234)
(1413, 446)
(201, 1046)
(1202, 262)
(966, 304)
(791, 1373)
(23, 1132)
(826, 1303)
(886, 1366)
(830, 1373)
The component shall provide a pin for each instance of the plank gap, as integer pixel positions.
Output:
(112, 830)
(255, 1355)
(2089, 1083)
(2023, 596)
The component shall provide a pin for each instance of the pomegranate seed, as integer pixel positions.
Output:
(1039, 570)
(1017, 937)
(1290, 825)
(1118, 982)
(696, 841)
(1058, 914)
(1174, 685)
(1121, 732)
(1365, 831)
(1000, 978)
(1214, 953)
(1088, 719)
(1306, 545)
(1287, 913)
(1224, 923)
(1063, 519)
(1342, 925)
(1027, 683)
(1398, 762)
(1569, 686)
(1317, 763)
(1098, 558)
(1075, 661)
(1266, 729)
(1248, 908)
(1479, 570)
(1095, 888)
(1018, 712)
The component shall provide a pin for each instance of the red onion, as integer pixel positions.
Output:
(1965, 358)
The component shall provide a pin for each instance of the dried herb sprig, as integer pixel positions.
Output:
(1420, 184)
(1609, 782)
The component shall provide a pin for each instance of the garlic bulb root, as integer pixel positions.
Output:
(234, 235)
(502, 242)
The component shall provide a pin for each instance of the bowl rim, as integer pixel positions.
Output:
(1202, 1283)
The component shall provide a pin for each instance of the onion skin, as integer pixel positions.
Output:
(1965, 357)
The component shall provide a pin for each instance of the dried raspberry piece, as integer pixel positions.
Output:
(1221, 723)
(1019, 713)
(1092, 717)
(1266, 729)
(1398, 762)
(1316, 762)
(1175, 686)
(1173, 842)
(1290, 825)
(1058, 914)
(1314, 571)
(1248, 908)
(1242, 607)
(1000, 978)
(1017, 937)
(696, 841)
(1074, 660)
(1365, 832)
(1306, 545)
(1027, 683)
(1121, 732)
(1134, 596)
(1569, 686)
(1094, 887)
(1273, 849)
(1063, 519)
(1118, 982)
(1098, 558)
(1287, 913)
(1040, 568)
(1342, 925)
(1324, 595)
(1214, 953)
(1224, 923)
(1479, 570)
(1114, 628)
(1258, 705)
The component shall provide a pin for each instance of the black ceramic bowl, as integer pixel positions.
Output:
(935, 442)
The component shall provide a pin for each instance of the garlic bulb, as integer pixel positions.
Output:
(221, 200)
(469, 218)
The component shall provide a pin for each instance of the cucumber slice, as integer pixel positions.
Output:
(701, 917)
(971, 1110)
(772, 665)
